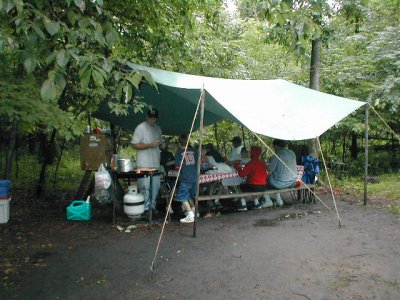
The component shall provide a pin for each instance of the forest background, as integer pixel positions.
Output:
(60, 59)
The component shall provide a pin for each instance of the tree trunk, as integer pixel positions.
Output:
(45, 162)
(31, 143)
(315, 69)
(354, 146)
(11, 148)
(344, 148)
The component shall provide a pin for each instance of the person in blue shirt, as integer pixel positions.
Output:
(188, 176)
(211, 151)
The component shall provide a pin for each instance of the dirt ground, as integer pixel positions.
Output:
(294, 252)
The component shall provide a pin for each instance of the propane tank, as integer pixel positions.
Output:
(133, 202)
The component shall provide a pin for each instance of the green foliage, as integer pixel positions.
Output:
(59, 60)
(387, 188)
(71, 42)
(292, 24)
(68, 177)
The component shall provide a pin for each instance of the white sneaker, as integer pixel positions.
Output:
(217, 203)
(278, 199)
(257, 204)
(267, 203)
(194, 211)
(242, 205)
(189, 218)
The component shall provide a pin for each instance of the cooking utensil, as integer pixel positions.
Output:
(124, 165)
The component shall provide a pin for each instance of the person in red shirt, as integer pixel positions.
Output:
(256, 173)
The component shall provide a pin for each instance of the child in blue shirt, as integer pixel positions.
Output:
(188, 176)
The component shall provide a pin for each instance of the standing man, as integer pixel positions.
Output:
(146, 139)
(235, 154)
(283, 170)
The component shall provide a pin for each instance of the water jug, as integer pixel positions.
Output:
(133, 202)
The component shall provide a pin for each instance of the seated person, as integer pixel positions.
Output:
(211, 151)
(280, 176)
(256, 173)
(167, 159)
(245, 155)
(235, 154)
(205, 164)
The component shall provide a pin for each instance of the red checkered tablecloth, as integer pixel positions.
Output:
(204, 178)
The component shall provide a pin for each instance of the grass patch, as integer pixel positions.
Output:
(387, 188)
(394, 209)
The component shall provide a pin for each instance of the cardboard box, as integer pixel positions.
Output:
(95, 149)
(4, 210)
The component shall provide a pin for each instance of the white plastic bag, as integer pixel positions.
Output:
(102, 183)
(102, 178)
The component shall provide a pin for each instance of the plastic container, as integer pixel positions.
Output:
(4, 192)
(79, 210)
(4, 210)
(5, 183)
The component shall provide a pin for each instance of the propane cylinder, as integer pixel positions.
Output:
(133, 202)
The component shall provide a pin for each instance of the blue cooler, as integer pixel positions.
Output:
(4, 186)
(79, 210)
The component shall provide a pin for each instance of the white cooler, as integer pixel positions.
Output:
(4, 210)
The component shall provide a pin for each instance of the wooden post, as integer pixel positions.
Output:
(366, 154)
(196, 203)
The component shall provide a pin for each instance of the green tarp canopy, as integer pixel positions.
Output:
(274, 108)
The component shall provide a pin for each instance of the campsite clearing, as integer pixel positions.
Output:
(287, 253)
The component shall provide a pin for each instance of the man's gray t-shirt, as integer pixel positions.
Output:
(146, 134)
(281, 177)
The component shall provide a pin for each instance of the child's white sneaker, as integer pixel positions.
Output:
(257, 204)
(242, 205)
(267, 202)
(189, 218)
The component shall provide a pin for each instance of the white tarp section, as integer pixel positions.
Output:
(274, 108)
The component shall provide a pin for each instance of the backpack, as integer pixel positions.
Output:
(311, 169)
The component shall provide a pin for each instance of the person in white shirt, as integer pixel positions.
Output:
(235, 155)
(146, 140)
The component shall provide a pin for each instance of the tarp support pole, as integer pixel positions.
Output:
(366, 154)
(201, 129)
